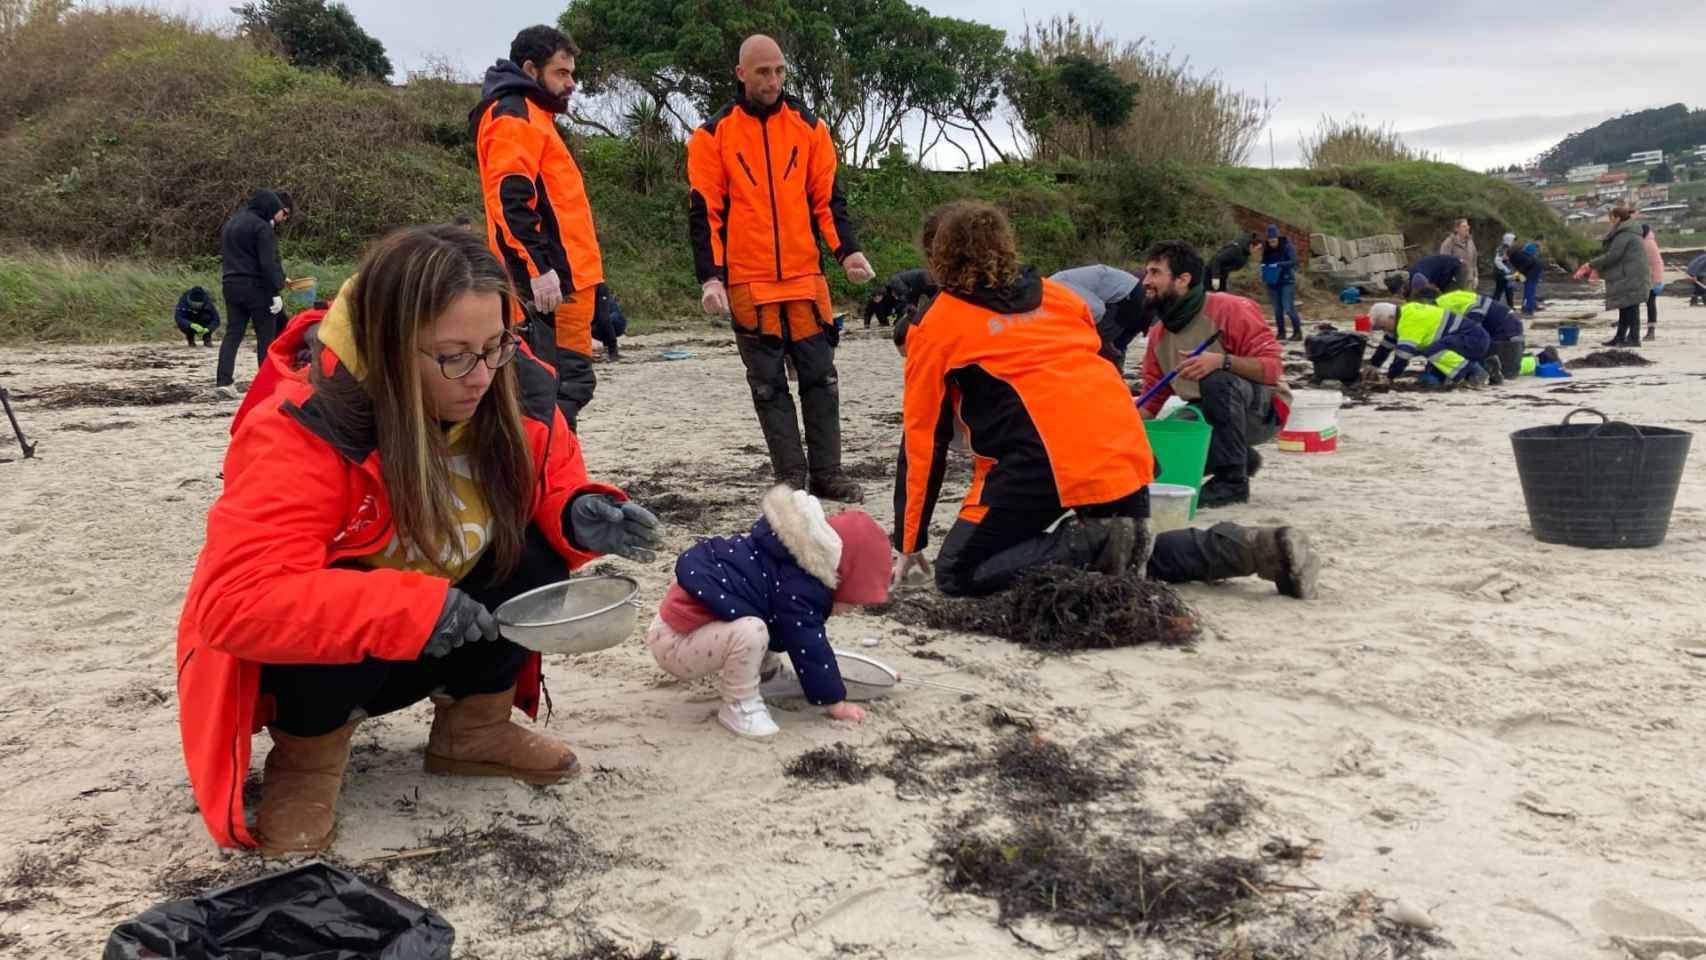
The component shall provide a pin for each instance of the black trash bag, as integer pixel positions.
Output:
(1336, 355)
(314, 912)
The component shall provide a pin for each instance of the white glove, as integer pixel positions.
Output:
(858, 268)
(277, 305)
(547, 292)
(904, 564)
(716, 298)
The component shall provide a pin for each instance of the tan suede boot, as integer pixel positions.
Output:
(299, 791)
(474, 737)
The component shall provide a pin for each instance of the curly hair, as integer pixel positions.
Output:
(974, 247)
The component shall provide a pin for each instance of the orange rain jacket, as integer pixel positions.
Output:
(764, 194)
(1049, 420)
(537, 215)
(272, 584)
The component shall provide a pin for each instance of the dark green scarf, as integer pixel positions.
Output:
(1178, 315)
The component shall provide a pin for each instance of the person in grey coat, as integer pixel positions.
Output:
(1623, 266)
(1115, 298)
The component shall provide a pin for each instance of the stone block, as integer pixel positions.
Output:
(1318, 244)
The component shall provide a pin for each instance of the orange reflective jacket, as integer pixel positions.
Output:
(764, 194)
(1048, 419)
(537, 215)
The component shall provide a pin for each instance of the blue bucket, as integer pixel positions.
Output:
(1567, 334)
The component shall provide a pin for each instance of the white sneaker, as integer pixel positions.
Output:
(748, 718)
(226, 393)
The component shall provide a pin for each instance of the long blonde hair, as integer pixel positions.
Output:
(406, 281)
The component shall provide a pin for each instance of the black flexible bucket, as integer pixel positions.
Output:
(1336, 355)
(1603, 485)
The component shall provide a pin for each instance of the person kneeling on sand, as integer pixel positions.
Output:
(737, 602)
(1236, 383)
(1503, 326)
(386, 495)
(196, 316)
(1453, 345)
(1014, 360)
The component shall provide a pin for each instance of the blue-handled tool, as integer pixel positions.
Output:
(1169, 377)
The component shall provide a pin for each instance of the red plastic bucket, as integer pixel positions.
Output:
(1364, 325)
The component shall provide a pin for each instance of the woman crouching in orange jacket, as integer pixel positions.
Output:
(409, 472)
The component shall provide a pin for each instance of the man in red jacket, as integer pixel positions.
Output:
(1236, 382)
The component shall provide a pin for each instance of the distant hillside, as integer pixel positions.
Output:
(1662, 128)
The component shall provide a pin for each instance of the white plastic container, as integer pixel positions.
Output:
(1169, 506)
(1313, 426)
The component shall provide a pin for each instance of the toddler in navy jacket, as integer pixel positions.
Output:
(740, 601)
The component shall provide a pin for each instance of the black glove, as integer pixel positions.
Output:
(463, 620)
(598, 524)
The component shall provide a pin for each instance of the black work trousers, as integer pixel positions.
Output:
(1242, 415)
(766, 360)
(313, 699)
(978, 559)
(245, 305)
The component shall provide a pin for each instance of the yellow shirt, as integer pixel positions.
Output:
(473, 519)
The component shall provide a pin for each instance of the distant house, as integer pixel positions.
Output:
(1586, 172)
(1618, 177)
(1653, 192)
(1647, 158)
(1555, 193)
(1665, 212)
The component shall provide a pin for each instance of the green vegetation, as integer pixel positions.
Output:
(1340, 142)
(63, 297)
(1670, 129)
(190, 122)
(316, 35)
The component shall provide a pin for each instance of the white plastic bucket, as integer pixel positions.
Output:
(1313, 426)
(1169, 506)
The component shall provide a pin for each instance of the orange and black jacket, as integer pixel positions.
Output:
(764, 194)
(537, 215)
(1049, 421)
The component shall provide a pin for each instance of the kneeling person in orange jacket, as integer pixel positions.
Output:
(431, 477)
(1014, 361)
(764, 192)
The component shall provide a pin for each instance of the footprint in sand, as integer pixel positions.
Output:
(1620, 914)
(107, 619)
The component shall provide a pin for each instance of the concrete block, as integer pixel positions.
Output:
(1318, 244)
(1323, 264)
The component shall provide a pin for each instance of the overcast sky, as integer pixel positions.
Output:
(1475, 86)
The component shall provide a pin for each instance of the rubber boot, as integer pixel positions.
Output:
(1652, 331)
(779, 421)
(474, 737)
(1222, 491)
(838, 487)
(299, 791)
(1252, 463)
(820, 405)
(1117, 545)
(1495, 370)
(1284, 557)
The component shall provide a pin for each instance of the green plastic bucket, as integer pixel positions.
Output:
(1181, 448)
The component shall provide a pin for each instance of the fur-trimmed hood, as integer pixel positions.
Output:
(797, 519)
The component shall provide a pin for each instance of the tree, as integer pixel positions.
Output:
(1661, 174)
(317, 35)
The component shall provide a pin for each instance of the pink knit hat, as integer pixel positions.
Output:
(865, 559)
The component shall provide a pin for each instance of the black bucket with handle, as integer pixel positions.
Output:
(1603, 485)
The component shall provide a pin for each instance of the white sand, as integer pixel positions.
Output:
(1502, 733)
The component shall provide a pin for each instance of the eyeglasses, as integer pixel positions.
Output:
(455, 366)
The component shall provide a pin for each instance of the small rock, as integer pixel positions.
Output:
(1408, 915)
(869, 641)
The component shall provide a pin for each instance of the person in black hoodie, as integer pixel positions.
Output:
(1229, 260)
(253, 278)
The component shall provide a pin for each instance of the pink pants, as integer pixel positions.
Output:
(732, 650)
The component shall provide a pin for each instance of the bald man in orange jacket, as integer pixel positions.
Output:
(764, 195)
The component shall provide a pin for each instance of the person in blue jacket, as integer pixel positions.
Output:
(1440, 271)
(738, 602)
(1528, 263)
(608, 323)
(197, 316)
(1279, 272)
(1696, 271)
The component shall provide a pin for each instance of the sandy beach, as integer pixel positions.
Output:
(1502, 734)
